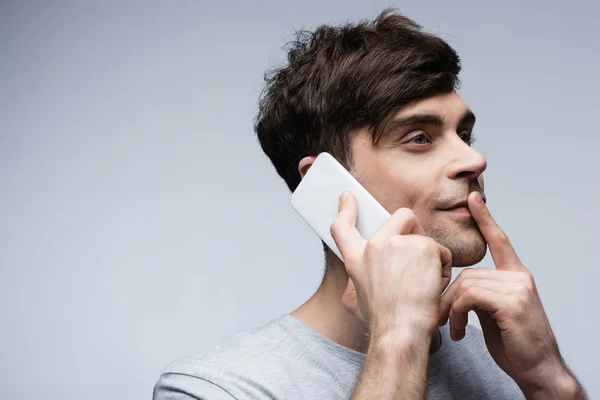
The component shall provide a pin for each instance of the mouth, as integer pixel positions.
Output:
(461, 207)
(458, 210)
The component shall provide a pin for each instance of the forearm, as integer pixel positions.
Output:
(395, 367)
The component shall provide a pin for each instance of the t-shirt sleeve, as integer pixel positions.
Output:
(175, 386)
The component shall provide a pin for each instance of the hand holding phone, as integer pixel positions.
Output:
(398, 274)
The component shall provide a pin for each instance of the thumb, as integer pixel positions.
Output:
(350, 301)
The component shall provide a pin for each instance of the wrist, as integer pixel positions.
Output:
(404, 331)
(409, 342)
(395, 365)
(558, 385)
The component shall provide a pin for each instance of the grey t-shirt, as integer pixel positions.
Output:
(286, 359)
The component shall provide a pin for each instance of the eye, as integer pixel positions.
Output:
(419, 139)
(467, 137)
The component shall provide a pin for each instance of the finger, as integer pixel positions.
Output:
(471, 299)
(457, 334)
(402, 222)
(350, 301)
(446, 260)
(494, 286)
(488, 273)
(503, 253)
(503, 277)
(343, 230)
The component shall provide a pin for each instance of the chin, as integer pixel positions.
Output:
(468, 247)
(468, 254)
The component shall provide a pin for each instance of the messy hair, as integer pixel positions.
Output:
(341, 78)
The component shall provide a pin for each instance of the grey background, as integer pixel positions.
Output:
(140, 221)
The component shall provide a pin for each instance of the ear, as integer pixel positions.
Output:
(305, 164)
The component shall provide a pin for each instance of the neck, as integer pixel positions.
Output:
(325, 314)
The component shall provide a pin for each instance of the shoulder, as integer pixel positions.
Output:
(246, 362)
(239, 350)
(180, 386)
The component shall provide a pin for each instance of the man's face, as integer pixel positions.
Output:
(425, 162)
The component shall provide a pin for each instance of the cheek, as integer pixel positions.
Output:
(395, 183)
(394, 192)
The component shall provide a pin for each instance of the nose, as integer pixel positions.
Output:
(467, 162)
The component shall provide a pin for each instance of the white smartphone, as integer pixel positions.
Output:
(316, 200)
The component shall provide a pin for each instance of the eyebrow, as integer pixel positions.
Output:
(468, 118)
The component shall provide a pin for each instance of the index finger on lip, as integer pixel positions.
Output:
(502, 252)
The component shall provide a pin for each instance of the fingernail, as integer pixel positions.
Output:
(343, 197)
(478, 198)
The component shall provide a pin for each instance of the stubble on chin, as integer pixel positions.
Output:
(465, 242)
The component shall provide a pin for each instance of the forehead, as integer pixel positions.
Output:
(449, 106)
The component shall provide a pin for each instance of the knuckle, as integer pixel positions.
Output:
(529, 278)
(528, 282)
(350, 261)
(464, 276)
(372, 246)
(405, 213)
(519, 304)
(418, 246)
(455, 310)
(396, 242)
(466, 273)
(423, 244)
(466, 283)
(470, 292)
(502, 237)
(523, 290)
(429, 246)
(334, 229)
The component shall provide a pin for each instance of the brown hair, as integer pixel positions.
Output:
(342, 78)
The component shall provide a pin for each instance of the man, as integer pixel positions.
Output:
(380, 97)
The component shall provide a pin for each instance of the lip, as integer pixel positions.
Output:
(457, 205)
(462, 204)
(460, 210)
